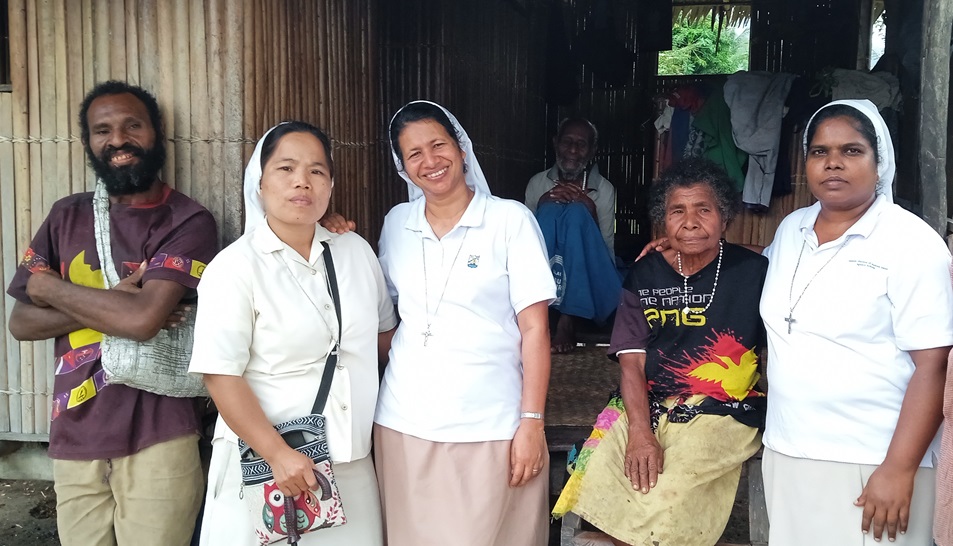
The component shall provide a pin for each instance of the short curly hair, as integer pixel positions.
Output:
(116, 87)
(690, 172)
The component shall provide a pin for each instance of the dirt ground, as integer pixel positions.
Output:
(27, 513)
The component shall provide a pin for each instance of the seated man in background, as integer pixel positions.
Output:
(575, 208)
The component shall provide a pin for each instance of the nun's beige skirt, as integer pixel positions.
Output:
(812, 502)
(436, 494)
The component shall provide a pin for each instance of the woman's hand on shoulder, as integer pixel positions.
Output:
(294, 471)
(644, 460)
(336, 223)
(886, 501)
(529, 453)
(658, 245)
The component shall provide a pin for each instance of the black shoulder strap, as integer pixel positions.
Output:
(331, 363)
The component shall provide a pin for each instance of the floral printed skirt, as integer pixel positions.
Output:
(690, 504)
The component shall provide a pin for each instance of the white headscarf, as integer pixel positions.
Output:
(254, 211)
(474, 174)
(886, 160)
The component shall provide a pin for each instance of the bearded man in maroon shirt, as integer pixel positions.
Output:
(125, 461)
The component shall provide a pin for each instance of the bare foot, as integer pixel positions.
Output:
(565, 339)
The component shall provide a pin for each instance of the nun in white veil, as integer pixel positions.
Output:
(857, 307)
(266, 330)
(460, 450)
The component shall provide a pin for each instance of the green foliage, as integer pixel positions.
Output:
(694, 52)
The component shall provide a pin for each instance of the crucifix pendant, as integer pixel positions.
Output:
(426, 335)
(789, 319)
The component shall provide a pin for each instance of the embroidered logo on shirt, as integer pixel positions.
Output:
(868, 265)
(34, 262)
(194, 268)
(473, 261)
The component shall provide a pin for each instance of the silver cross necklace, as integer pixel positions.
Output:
(427, 333)
(790, 318)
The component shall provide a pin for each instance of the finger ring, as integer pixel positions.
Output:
(535, 471)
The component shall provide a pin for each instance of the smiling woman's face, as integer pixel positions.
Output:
(296, 181)
(841, 166)
(432, 158)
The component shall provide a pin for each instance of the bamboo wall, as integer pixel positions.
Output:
(622, 114)
(483, 61)
(223, 71)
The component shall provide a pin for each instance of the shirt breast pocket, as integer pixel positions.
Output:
(855, 300)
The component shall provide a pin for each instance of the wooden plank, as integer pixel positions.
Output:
(8, 251)
(757, 507)
(88, 69)
(53, 180)
(149, 46)
(115, 17)
(131, 21)
(212, 185)
(279, 83)
(101, 18)
(230, 228)
(934, 94)
(35, 350)
(165, 89)
(24, 437)
(60, 112)
(60, 180)
(571, 525)
(321, 51)
(258, 126)
(198, 128)
(249, 42)
(21, 182)
(75, 93)
(182, 109)
(86, 11)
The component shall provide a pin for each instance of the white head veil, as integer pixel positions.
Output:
(474, 174)
(886, 160)
(254, 211)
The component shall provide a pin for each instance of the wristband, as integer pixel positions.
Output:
(531, 415)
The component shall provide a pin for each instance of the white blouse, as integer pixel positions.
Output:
(465, 384)
(266, 314)
(838, 377)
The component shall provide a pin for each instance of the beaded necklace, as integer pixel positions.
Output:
(711, 298)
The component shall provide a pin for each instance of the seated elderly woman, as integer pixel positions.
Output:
(663, 462)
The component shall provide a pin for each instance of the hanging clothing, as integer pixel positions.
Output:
(800, 107)
(680, 130)
(880, 88)
(714, 120)
(756, 100)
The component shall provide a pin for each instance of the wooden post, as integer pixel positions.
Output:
(234, 96)
(934, 97)
(865, 16)
(19, 75)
